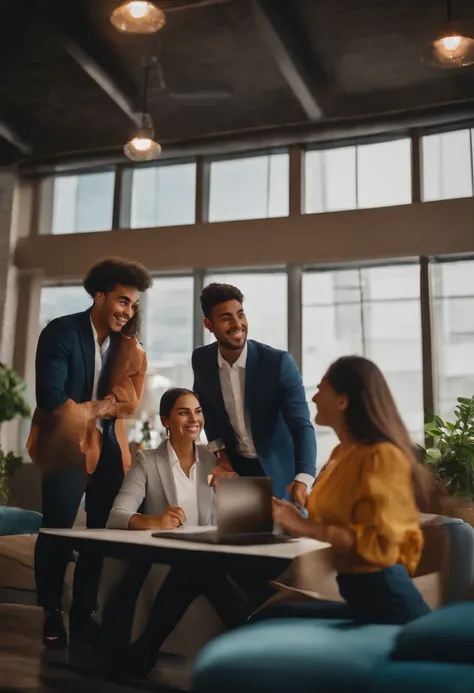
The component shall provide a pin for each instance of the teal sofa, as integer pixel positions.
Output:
(18, 521)
(434, 654)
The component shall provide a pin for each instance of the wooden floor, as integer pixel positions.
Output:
(26, 667)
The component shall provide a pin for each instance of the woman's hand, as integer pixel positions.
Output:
(172, 518)
(288, 517)
(290, 520)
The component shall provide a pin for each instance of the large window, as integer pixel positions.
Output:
(369, 175)
(453, 291)
(83, 202)
(447, 168)
(163, 195)
(265, 303)
(56, 301)
(374, 312)
(168, 331)
(252, 187)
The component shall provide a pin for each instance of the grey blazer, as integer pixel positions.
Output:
(151, 480)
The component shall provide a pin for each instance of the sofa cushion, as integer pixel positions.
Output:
(422, 677)
(18, 521)
(292, 654)
(445, 635)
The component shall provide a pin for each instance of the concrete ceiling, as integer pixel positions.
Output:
(71, 83)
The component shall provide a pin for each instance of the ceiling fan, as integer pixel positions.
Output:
(213, 92)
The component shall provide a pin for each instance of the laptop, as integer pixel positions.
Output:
(244, 515)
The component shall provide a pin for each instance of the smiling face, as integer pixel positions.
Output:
(115, 308)
(186, 420)
(331, 406)
(229, 325)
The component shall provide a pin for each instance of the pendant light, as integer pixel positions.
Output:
(138, 17)
(451, 48)
(143, 146)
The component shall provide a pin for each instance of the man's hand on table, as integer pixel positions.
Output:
(222, 469)
(298, 493)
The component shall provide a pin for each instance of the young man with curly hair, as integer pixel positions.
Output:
(90, 371)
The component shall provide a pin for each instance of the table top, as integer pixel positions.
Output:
(287, 550)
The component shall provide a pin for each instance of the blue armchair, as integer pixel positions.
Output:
(18, 521)
(433, 654)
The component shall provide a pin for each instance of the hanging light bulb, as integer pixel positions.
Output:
(143, 146)
(138, 17)
(451, 48)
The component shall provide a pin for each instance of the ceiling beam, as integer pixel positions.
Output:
(10, 135)
(101, 77)
(381, 125)
(180, 5)
(283, 46)
(89, 55)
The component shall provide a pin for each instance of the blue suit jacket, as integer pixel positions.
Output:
(65, 364)
(65, 361)
(282, 432)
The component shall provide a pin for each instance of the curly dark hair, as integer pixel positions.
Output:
(213, 294)
(108, 273)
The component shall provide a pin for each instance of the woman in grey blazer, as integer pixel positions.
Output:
(164, 489)
(172, 481)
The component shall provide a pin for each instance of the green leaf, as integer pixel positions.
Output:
(431, 430)
(452, 454)
(434, 454)
(12, 391)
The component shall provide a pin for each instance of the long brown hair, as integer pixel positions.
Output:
(132, 327)
(372, 415)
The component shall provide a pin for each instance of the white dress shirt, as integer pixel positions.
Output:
(232, 380)
(100, 350)
(186, 487)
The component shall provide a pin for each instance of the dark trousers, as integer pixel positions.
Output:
(234, 586)
(387, 596)
(61, 496)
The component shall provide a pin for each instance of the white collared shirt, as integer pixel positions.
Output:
(232, 379)
(186, 486)
(99, 354)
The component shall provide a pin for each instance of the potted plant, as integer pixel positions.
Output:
(452, 457)
(12, 403)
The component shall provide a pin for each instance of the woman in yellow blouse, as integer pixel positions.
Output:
(364, 501)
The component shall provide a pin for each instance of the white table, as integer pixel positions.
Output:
(120, 543)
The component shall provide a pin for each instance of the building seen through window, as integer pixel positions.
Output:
(453, 334)
(373, 312)
(83, 202)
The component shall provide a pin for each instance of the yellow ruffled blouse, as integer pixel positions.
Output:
(369, 490)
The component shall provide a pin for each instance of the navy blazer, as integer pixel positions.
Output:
(65, 364)
(275, 399)
(65, 361)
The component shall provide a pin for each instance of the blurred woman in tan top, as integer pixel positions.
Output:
(364, 501)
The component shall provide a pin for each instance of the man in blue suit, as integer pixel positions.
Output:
(75, 358)
(252, 395)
